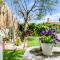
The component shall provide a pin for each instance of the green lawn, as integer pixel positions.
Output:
(18, 55)
(33, 42)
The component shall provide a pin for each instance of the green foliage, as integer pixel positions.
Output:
(1, 1)
(17, 42)
(21, 27)
(13, 54)
(47, 39)
(40, 27)
(32, 26)
(45, 6)
(35, 28)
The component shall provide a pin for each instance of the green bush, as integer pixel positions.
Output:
(1, 1)
(35, 28)
(13, 54)
(30, 39)
(17, 42)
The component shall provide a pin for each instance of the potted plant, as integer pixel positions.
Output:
(47, 39)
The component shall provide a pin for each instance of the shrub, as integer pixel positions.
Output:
(17, 42)
(1, 1)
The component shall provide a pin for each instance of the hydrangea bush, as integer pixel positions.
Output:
(48, 36)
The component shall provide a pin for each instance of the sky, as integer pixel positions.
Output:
(54, 17)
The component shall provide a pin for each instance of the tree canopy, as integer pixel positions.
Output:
(33, 7)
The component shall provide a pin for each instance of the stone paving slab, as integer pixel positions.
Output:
(30, 56)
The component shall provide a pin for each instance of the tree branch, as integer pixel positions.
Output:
(25, 4)
(21, 10)
(32, 7)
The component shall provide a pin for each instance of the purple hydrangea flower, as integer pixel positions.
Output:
(43, 32)
(56, 39)
(50, 32)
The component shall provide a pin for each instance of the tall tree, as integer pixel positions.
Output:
(59, 19)
(27, 8)
(30, 8)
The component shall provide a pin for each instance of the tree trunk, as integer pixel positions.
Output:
(25, 39)
(25, 45)
(26, 26)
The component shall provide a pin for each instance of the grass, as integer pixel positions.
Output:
(18, 55)
(33, 42)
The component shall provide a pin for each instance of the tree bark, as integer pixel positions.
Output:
(25, 39)
(26, 26)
